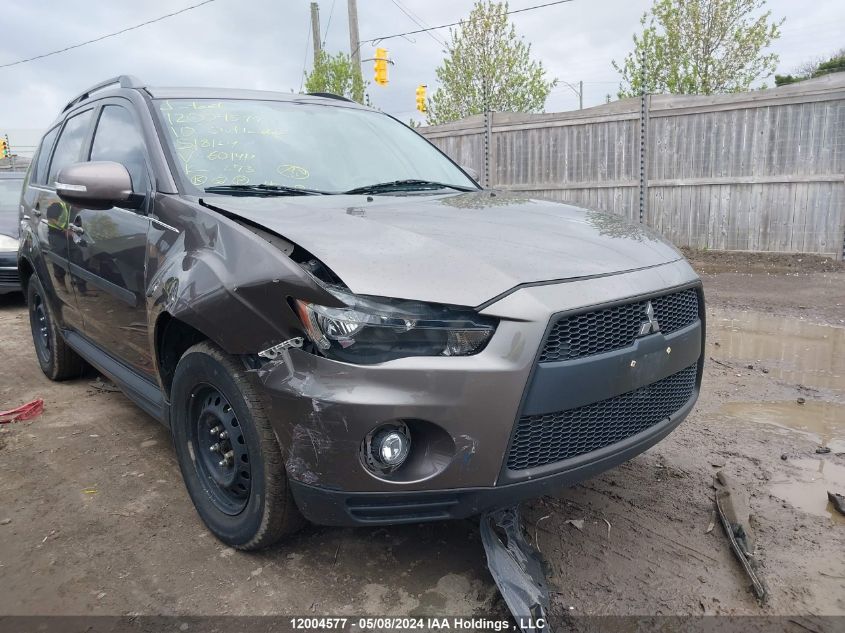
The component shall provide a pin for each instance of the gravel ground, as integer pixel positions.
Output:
(95, 519)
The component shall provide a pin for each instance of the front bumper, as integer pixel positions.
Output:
(321, 410)
(335, 507)
(9, 277)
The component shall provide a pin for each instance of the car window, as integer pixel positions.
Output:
(329, 148)
(39, 175)
(10, 194)
(70, 144)
(118, 139)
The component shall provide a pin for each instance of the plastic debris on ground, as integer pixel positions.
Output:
(517, 569)
(24, 412)
(735, 515)
(837, 500)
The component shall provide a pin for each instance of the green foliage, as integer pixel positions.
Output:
(700, 47)
(818, 68)
(487, 66)
(338, 75)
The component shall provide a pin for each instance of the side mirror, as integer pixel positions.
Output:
(471, 172)
(96, 184)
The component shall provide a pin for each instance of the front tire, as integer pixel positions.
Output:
(56, 358)
(229, 456)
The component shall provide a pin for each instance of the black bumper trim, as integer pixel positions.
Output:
(569, 384)
(326, 506)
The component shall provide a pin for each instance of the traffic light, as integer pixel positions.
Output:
(421, 98)
(5, 151)
(380, 66)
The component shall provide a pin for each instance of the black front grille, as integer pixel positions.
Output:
(8, 276)
(588, 333)
(552, 437)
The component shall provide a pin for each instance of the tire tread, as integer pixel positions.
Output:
(281, 517)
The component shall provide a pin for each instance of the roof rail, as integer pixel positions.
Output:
(330, 95)
(125, 81)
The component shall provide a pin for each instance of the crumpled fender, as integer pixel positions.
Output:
(223, 279)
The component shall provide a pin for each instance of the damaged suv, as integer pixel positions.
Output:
(335, 322)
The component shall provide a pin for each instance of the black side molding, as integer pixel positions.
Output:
(142, 391)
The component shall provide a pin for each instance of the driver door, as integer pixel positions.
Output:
(108, 248)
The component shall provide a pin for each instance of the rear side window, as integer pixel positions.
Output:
(69, 147)
(40, 173)
(118, 139)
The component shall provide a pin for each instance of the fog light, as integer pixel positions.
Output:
(392, 448)
(387, 448)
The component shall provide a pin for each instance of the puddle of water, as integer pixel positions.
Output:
(808, 492)
(791, 349)
(808, 480)
(823, 421)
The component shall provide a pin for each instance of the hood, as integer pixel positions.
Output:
(460, 249)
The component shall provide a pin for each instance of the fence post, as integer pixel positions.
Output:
(645, 100)
(842, 255)
(488, 138)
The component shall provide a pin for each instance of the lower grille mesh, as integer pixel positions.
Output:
(9, 276)
(552, 437)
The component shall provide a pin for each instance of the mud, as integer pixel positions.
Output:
(100, 521)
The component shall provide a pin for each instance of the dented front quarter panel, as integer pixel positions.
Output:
(222, 279)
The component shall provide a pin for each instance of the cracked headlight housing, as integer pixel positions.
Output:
(374, 330)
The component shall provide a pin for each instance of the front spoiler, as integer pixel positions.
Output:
(327, 506)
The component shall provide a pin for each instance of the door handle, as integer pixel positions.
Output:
(76, 229)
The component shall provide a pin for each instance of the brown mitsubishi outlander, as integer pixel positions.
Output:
(333, 319)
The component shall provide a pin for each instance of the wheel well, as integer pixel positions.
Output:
(25, 271)
(173, 338)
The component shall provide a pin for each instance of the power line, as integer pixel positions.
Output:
(458, 23)
(328, 24)
(103, 37)
(418, 21)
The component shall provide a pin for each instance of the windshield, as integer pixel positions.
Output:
(10, 195)
(331, 149)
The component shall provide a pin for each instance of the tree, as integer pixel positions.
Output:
(487, 66)
(700, 47)
(336, 74)
(816, 68)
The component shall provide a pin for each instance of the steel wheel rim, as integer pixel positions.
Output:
(221, 457)
(40, 328)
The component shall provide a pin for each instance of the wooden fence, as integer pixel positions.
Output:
(759, 171)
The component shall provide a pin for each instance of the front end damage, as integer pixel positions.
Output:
(463, 414)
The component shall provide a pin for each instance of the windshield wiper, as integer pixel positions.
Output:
(263, 190)
(410, 184)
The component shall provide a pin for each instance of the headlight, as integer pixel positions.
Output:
(8, 243)
(374, 330)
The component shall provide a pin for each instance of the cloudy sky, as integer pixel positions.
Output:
(265, 44)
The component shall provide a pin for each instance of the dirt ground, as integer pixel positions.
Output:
(95, 520)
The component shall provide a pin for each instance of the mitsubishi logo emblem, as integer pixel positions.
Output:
(651, 326)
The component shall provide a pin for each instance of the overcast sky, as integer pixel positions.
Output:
(265, 44)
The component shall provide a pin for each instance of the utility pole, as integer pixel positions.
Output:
(354, 43)
(581, 95)
(315, 31)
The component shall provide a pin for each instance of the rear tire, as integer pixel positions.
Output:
(229, 456)
(56, 358)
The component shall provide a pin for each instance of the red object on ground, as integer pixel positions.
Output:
(24, 412)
